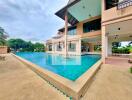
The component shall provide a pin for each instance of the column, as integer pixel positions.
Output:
(79, 47)
(104, 44)
(109, 47)
(66, 30)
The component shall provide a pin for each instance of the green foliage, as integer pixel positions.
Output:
(116, 48)
(24, 46)
(2, 37)
(38, 47)
(97, 48)
(123, 50)
(131, 70)
(116, 44)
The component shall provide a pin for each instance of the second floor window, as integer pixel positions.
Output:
(72, 31)
(92, 26)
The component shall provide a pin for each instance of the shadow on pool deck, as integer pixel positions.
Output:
(17, 82)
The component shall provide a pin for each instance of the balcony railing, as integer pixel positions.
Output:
(124, 4)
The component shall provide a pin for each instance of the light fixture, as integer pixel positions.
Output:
(83, 7)
(90, 15)
(116, 36)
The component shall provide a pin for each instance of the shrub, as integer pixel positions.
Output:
(121, 50)
(131, 70)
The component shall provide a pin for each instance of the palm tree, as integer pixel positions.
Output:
(3, 36)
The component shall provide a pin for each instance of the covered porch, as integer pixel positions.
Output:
(115, 32)
(91, 45)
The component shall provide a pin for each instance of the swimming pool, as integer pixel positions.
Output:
(71, 68)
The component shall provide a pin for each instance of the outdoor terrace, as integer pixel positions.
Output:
(120, 11)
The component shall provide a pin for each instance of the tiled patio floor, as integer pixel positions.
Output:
(119, 61)
(17, 82)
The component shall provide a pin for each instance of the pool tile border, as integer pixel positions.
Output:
(75, 89)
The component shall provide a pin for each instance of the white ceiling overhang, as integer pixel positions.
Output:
(85, 9)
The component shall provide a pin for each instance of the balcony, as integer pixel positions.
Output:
(122, 11)
(91, 34)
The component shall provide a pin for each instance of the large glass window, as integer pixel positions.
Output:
(72, 47)
(92, 26)
(50, 47)
(72, 31)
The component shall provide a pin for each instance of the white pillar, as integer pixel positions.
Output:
(104, 44)
(79, 47)
(109, 47)
(66, 30)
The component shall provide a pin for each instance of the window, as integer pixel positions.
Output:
(72, 47)
(59, 47)
(97, 48)
(72, 31)
(50, 47)
(92, 26)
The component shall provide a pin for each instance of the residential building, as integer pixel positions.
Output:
(91, 26)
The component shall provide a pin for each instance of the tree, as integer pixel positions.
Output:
(16, 44)
(116, 44)
(3, 36)
(39, 47)
(24, 46)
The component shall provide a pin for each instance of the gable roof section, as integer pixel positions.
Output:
(70, 1)
(61, 13)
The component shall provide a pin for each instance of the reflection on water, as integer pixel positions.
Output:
(71, 68)
(61, 60)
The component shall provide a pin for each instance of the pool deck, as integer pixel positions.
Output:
(18, 82)
(111, 83)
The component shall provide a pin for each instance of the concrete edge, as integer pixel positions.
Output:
(74, 89)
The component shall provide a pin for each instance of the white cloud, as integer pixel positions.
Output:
(31, 19)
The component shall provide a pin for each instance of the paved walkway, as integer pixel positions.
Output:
(111, 83)
(17, 82)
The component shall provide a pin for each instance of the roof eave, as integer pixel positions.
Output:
(62, 11)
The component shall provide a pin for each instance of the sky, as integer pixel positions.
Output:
(31, 20)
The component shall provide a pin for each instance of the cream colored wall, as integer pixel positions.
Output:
(3, 49)
(80, 27)
(114, 15)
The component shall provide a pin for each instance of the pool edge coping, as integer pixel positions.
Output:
(76, 89)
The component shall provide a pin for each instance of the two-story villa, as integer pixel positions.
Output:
(91, 26)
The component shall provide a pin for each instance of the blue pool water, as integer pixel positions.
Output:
(70, 68)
